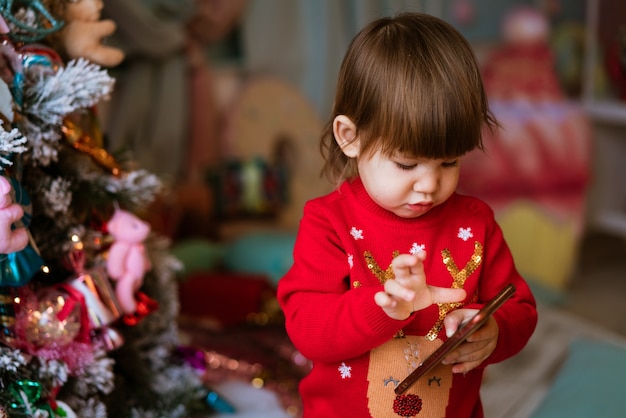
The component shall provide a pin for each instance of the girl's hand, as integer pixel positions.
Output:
(408, 292)
(477, 347)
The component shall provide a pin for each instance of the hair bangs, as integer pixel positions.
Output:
(421, 118)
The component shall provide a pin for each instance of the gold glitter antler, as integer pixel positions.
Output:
(458, 280)
(381, 275)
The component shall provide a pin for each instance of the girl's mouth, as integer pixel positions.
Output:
(421, 207)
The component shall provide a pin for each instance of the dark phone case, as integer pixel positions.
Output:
(455, 340)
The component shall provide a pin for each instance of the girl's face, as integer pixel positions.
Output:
(408, 187)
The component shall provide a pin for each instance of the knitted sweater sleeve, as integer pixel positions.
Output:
(517, 318)
(325, 319)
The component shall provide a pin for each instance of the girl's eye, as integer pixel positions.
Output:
(405, 166)
(447, 164)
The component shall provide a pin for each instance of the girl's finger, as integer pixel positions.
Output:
(447, 295)
(396, 289)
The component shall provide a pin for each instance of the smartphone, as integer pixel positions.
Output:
(461, 334)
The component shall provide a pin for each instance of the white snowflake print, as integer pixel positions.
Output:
(345, 371)
(356, 233)
(465, 233)
(350, 260)
(417, 248)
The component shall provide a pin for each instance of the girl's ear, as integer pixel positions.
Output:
(345, 135)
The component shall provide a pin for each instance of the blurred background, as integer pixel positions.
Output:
(226, 100)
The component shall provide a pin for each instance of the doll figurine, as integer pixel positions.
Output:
(83, 32)
(127, 261)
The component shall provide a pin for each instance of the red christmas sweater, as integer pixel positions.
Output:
(342, 255)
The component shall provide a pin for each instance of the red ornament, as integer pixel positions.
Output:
(145, 306)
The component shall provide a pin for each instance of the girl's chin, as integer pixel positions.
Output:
(410, 213)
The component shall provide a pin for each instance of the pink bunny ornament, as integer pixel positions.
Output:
(11, 239)
(127, 261)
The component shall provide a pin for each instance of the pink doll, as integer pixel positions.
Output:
(11, 240)
(127, 261)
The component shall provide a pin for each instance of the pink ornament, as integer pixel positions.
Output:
(127, 261)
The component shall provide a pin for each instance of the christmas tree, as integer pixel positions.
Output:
(81, 332)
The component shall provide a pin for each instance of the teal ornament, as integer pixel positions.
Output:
(26, 399)
(218, 403)
(17, 269)
(44, 23)
(40, 55)
(25, 394)
(31, 56)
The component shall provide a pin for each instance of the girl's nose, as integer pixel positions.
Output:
(427, 181)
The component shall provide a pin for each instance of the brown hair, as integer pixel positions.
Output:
(411, 84)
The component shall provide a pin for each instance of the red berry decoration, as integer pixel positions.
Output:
(407, 405)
